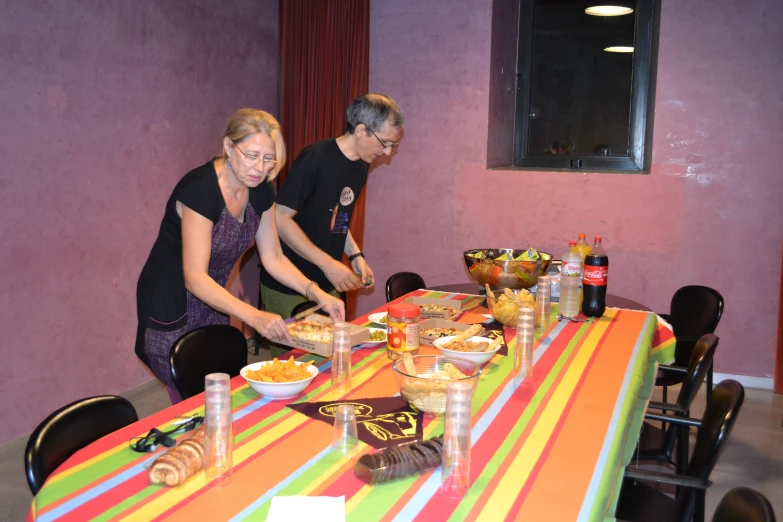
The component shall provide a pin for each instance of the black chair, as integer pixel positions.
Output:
(658, 443)
(695, 311)
(71, 428)
(402, 283)
(301, 307)
(640, 502)
(217, 348)
(744, 505)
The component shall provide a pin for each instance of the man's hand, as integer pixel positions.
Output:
(341, 277)
(361, 267)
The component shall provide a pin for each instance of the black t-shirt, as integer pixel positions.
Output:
(161, 294)
(322, 186)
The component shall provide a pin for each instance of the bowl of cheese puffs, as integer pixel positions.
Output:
(276, 379)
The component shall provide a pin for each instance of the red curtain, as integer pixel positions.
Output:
(324, 66)
(779, 351)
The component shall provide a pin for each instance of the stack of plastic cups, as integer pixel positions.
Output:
(523, 353)
(341, 358)
(218, 436)
(543, 300)
(455, 476)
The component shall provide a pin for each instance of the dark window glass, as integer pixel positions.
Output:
(580, 94)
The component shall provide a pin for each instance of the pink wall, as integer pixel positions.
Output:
(105, 105)
(710, 212)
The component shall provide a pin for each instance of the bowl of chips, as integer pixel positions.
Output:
(423, 379)
(504, 306)
(279, 380)
(507, 267)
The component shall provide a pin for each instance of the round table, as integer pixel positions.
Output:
(612, 301)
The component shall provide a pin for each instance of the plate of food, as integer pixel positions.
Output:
(378, 318)
(469, 346)
(377, 335)
(279, 380)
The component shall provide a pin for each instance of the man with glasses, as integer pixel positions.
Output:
(316, 201)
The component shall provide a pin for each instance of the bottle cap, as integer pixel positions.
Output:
(597, 239)
(581, 236)
(572, 243)
(404, 310)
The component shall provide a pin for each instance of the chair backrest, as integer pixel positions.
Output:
(219, 348)
(71, 428)
(699, 363)
(716, 425)
(402, 283)
(701, 358)
(301, 307)
(744, 505)
(695, 310)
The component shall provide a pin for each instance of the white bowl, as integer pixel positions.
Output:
(476, 357)
(382, 330)
(377, 317)
(278, 390)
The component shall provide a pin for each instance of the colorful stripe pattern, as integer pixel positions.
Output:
(553, 448)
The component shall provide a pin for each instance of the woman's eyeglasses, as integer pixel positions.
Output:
(253, 159)
(156, 438)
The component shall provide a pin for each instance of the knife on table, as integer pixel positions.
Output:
(302, 315)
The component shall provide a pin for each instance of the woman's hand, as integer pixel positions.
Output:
(341, 277)
(332, 305)
(271, 326)
(361, 267)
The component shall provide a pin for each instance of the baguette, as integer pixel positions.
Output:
(494, 344)
(467, 334)
(180, 463)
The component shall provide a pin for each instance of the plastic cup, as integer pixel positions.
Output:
(218, 435)
(346, 435)
(341, 357)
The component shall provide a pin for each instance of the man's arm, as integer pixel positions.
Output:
(359, 264)
(292, 234)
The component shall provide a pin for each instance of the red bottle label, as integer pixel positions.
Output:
(595, 275)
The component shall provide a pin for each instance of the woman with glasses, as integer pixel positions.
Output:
(212, 217)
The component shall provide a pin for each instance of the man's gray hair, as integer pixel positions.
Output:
(374, 110)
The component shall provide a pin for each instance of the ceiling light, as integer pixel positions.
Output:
(619, 49)
(608, 10)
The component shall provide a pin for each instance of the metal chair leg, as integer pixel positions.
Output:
(683, 434)
(698, 515)
(665, 394)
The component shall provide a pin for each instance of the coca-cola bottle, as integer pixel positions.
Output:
(594, 279)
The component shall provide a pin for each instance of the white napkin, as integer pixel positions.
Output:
(307, 509)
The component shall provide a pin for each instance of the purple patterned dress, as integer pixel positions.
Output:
(230, 239)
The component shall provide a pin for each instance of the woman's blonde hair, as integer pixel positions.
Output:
(245, 122)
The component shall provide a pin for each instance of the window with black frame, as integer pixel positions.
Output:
(583, 83)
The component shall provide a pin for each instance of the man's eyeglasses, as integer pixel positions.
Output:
(386, 145)
(253, 158)
(156, 438)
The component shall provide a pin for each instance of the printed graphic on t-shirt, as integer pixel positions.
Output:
(340, 215)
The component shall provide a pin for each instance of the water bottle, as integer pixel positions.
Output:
(570, 281)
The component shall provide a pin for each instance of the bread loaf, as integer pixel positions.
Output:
(179, 463)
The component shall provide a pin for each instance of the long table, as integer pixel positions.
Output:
(553, 448)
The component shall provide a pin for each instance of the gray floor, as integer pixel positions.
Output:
(753, 456)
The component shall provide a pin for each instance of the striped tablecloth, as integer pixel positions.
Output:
(551, 449)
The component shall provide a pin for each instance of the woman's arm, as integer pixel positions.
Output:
(196, 249)
(281, 268)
